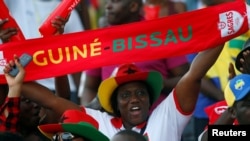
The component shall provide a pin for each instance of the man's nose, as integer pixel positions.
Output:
(134, 97)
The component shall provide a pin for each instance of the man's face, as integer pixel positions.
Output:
(242, 110)
(29, 113)
(117, 11)
(133, 103)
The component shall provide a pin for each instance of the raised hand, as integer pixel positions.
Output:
(7, 33)
(245, 62)
(59, 24)
(18, 79)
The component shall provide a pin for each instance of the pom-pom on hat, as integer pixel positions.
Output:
(237, 88)
(128, 73)
(77, 123)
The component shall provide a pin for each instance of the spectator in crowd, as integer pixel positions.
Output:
(236, 99)
(10, 109)
(213, 93)
(126, 102)
(30, 15)
(19, 116)
(171, 68)
(32, 114)
(216, 78)
(242, 64)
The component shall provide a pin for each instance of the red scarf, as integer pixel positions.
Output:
(174, 35)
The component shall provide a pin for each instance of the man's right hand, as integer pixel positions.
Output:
(7, 33)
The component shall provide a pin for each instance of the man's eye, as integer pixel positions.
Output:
(125, 95)
(141, 93)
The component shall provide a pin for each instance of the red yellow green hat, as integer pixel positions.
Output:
(77, 123)
(127, 73)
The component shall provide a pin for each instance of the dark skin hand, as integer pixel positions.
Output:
(59, 24)
(245, 61)
(5, 34)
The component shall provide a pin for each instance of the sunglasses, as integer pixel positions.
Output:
(64, 136)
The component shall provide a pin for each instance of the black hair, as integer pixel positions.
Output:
(114, 103)
(137, 136)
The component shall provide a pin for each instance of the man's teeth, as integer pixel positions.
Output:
(135, 108)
